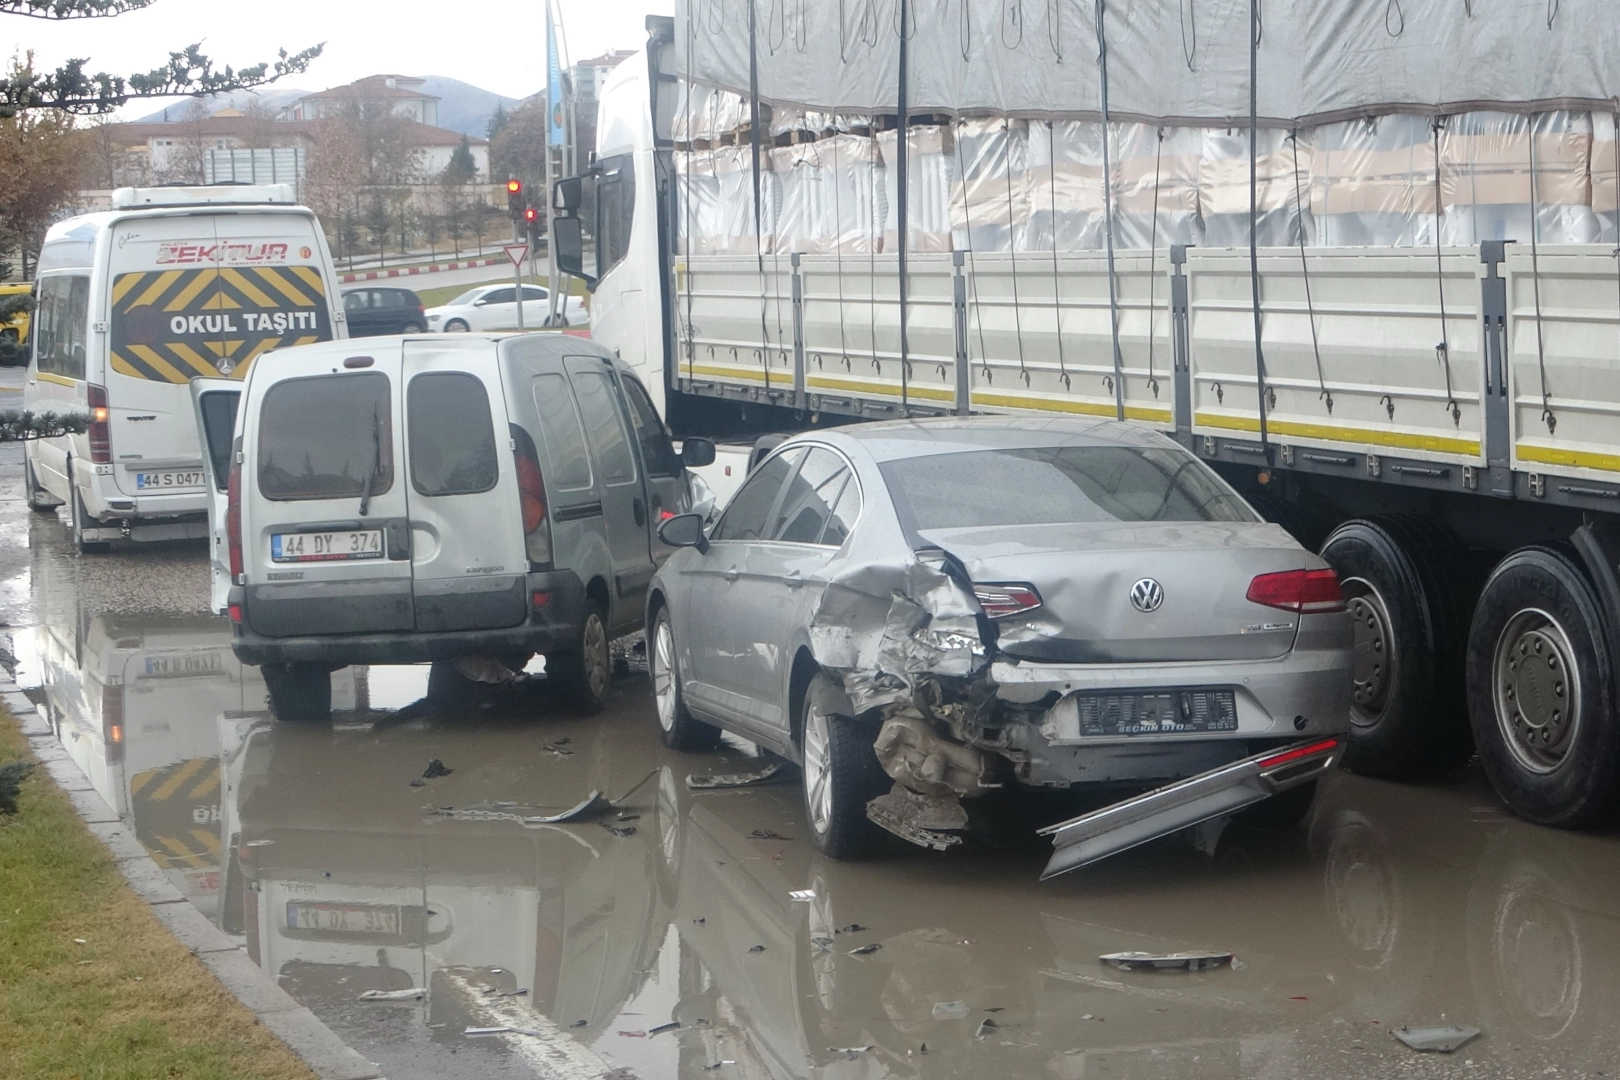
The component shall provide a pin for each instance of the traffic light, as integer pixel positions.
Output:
(514, 198)
(531, 218)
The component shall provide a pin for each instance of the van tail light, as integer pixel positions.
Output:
(1309, 592)
(1000, 601)
(531, 498)
(100, 431)
(112, 722)
(233, 519)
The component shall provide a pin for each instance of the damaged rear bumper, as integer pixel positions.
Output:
(1220, 791)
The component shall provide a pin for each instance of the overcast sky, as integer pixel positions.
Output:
(496, 44)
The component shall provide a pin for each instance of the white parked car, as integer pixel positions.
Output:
(494, 307)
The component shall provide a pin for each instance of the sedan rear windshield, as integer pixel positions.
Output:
(327, 437)
(1058, 485)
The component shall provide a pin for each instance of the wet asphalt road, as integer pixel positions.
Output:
(1394, 904)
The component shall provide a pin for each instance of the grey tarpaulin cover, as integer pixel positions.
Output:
(1181, 61)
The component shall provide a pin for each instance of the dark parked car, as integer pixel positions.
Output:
(371, 310)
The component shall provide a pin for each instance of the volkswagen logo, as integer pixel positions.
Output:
(1147, 595)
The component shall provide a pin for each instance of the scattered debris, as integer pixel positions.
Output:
(673, 1025)
(1441, 1040)
(923, 1049)
(848, 1051)
(802, 895)
(628, 830)
(924, 820)
(766, 834)
(736, 780)
(436, 769)
(579, 1023)
(995, 1008)
(987, 1026)
(716, 1065)
(628, 817)
(822, 944)
(634, 1034)
(1088, 1016)
(418, 782)
(965, 941)
(394, 995)
(852, 928)
(504, 1030)
(757, 948)
(950, 1010)
(594, 805)
(510, 993)
(557, 749)
(700, 921)
(865, 950)
(80, 941)
(485, 669)
(1182, 961)
(1299, 997)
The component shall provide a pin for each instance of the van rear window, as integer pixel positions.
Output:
(452, 443)
(326, 437)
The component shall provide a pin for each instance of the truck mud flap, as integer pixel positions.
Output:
(1084, 840)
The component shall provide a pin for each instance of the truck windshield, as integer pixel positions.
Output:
(1059, 485)
(316, 438)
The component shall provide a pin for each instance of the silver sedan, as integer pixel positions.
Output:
(918, 612)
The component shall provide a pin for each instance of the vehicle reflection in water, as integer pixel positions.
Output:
(1399, 903)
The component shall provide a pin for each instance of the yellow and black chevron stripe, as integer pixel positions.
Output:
(176, 812)
(174, 325)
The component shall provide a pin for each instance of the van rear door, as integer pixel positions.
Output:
(468, 557)
(200, 295)
(215, 402)
(325, 527)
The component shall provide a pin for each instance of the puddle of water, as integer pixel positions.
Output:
(309, 844)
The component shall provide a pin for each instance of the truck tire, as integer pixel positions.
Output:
(840, 773)
(1407, 583)
(78, 517)
(1541, 693)
(679, 729)
(299, 693)
(584, 673)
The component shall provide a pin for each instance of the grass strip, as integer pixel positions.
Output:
(130, 1003)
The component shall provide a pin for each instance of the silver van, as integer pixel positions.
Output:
(406, 499)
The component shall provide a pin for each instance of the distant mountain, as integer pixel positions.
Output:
(464, 107)
(273, 97)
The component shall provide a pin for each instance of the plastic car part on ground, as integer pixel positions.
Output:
(1181, 961)
(1441, 1040)
(769, 773)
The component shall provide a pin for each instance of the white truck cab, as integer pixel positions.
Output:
(133, 303)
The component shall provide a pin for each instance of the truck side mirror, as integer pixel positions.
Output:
(696, 453)
(567, 196)
(568, 242)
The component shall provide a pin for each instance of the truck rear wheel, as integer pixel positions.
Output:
(1407, 584)
(299, 692)
(1540, 692)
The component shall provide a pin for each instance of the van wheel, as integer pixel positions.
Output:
(298, 692)
(39, 500)
(455, 326)
(584, 673)
(1540, 692)
(679, 729)
(1407, 585)
(79, 519)
(841, 773)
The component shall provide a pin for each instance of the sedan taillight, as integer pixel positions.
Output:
(1000, 601)
(1309, 592)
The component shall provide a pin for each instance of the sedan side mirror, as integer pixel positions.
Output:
(696, 453)
(684, 530)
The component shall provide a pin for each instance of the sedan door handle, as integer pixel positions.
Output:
(794, 579)
(731, 573)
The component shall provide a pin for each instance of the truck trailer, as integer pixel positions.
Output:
(1360, 258)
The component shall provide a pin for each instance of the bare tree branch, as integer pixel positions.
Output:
(188, 72)
(72, 9)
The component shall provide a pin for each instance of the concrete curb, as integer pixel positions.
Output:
(430, 268)
(305, 1035)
